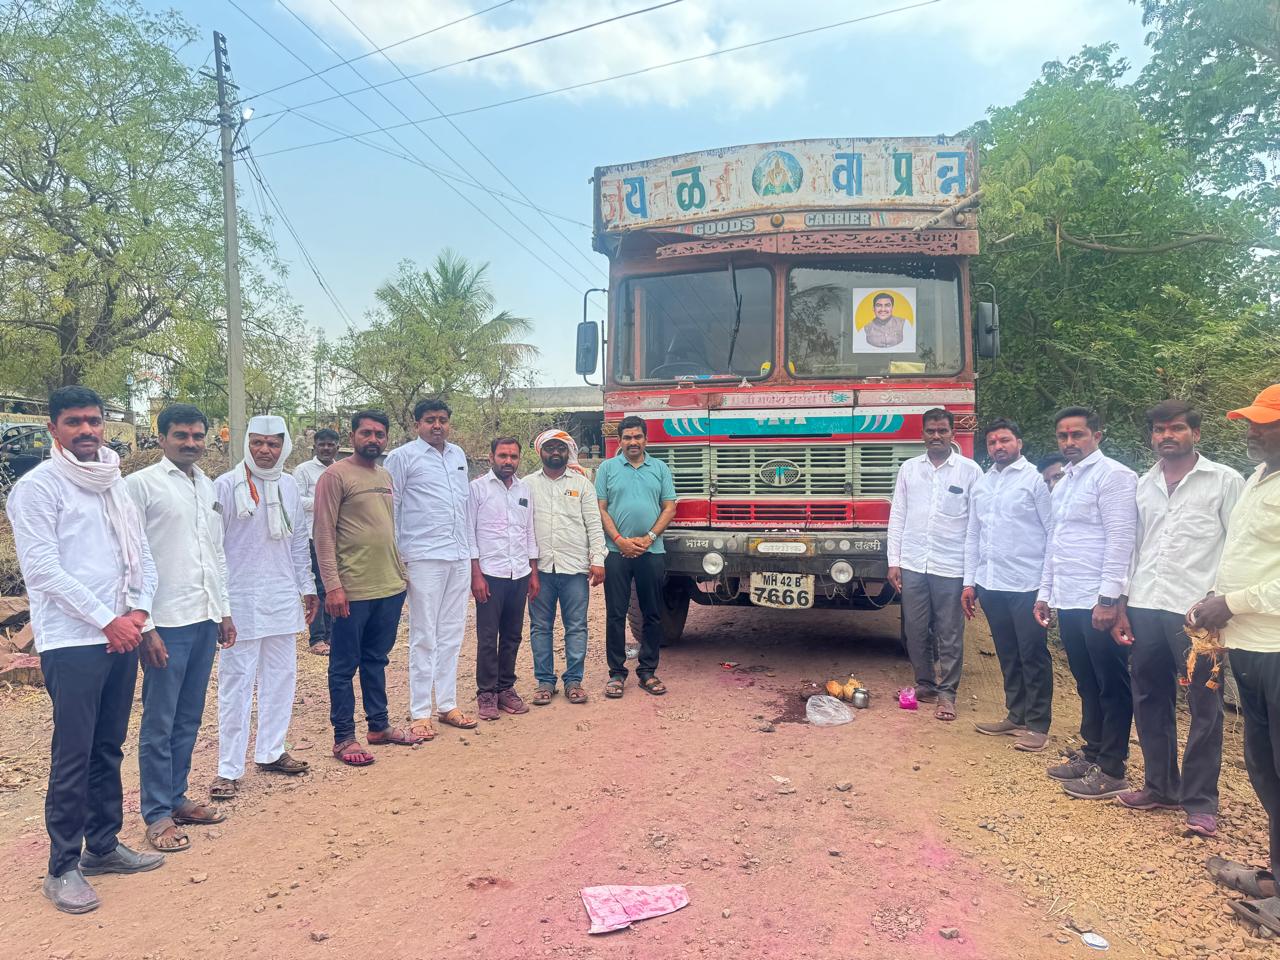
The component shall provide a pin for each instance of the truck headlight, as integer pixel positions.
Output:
(842, 571)
(713, 563)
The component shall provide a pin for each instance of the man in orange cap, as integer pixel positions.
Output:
(1244, 608)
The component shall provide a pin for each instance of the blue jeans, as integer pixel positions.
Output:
(360, 643)
(573, 591)
(172, 705)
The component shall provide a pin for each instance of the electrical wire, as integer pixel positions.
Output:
(466, 182)
(484, 213)
(412, 83)
(389, 46)
(447, 155)
(494, 53)
(256, 171)
(590, 83)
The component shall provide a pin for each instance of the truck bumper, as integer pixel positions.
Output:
(694, 553)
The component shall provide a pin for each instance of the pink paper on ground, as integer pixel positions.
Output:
(616, 907)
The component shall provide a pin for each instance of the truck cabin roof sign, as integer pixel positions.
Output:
(835, 181)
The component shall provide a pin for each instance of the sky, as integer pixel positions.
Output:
(360, 208)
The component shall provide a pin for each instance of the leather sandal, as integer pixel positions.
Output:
(285, 764)
(165, 836)
(456, 718)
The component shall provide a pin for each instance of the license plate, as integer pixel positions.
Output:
(782, 591)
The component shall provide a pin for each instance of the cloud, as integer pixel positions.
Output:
(985, 30)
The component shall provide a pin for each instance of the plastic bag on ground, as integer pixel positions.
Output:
(825, 711)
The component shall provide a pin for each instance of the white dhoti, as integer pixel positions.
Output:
(438, 592)
(270, 664)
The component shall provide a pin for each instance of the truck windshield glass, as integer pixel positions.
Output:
(887, 318)
(690, 326)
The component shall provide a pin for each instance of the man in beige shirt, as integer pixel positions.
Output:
(571, 553)
(1244, 608)
(364, 583)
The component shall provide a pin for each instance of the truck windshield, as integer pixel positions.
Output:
(889, 318)
(692, 326)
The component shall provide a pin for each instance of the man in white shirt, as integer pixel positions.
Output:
(1244, 609)
(1086, 570)
(1004, 559)
(89, 575)
(429, 479)
(192, 615)
(1184, 502)
(273, 598)
(504, 572)
(324, 444)
(927, 524)
(571, 553)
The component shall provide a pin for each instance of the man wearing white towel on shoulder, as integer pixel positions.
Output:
(266, 543)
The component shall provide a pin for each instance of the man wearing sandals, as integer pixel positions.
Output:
(571, 554)
(637, 497)
(192, 617)
(364, 583)
(1086, 569)
(88, 570)
(1183, 505)
(269, 569)
(928, 519)
(504, 572)
(430, 478)
(1244, 608)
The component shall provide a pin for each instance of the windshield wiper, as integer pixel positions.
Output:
(737, 314)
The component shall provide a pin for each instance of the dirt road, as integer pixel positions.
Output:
(476, 845)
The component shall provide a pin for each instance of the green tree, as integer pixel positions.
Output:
(1122, 280)
(435, 333)
(1213, 82)
(110, 201)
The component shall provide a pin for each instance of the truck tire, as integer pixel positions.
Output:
(675, 609)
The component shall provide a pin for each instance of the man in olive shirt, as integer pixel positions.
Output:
(364, 582)
(637, 500)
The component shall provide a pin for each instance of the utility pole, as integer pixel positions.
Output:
(229, 125)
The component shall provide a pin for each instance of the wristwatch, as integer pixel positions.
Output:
(653, 537)
(1106, 601)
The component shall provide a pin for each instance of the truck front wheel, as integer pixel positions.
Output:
(674, 610)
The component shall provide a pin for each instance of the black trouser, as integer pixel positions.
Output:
(1023, 649)
(499, 624)
(1258, 679)
(1101, 668)
(1157, 660)
(322, 625)
(646, 571)
(92, 694)
(361, 642)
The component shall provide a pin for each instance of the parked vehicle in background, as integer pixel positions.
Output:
(23, 446)
(781, 315)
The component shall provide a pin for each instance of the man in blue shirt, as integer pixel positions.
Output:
(637, 500)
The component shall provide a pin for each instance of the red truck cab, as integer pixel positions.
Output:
(781, 315)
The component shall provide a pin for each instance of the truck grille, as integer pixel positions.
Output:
(688, 465)
(865, 470)
(875, 468)
(783, 514)
(783, 470)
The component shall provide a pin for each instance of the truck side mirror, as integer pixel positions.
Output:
(988, 330)
(588, 352)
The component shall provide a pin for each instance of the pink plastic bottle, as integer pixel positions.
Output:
(907, 698)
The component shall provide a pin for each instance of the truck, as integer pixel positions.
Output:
(781, 315)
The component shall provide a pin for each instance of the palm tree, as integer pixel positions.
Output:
(435, 333)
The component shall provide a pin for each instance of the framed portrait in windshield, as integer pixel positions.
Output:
(884, 320)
